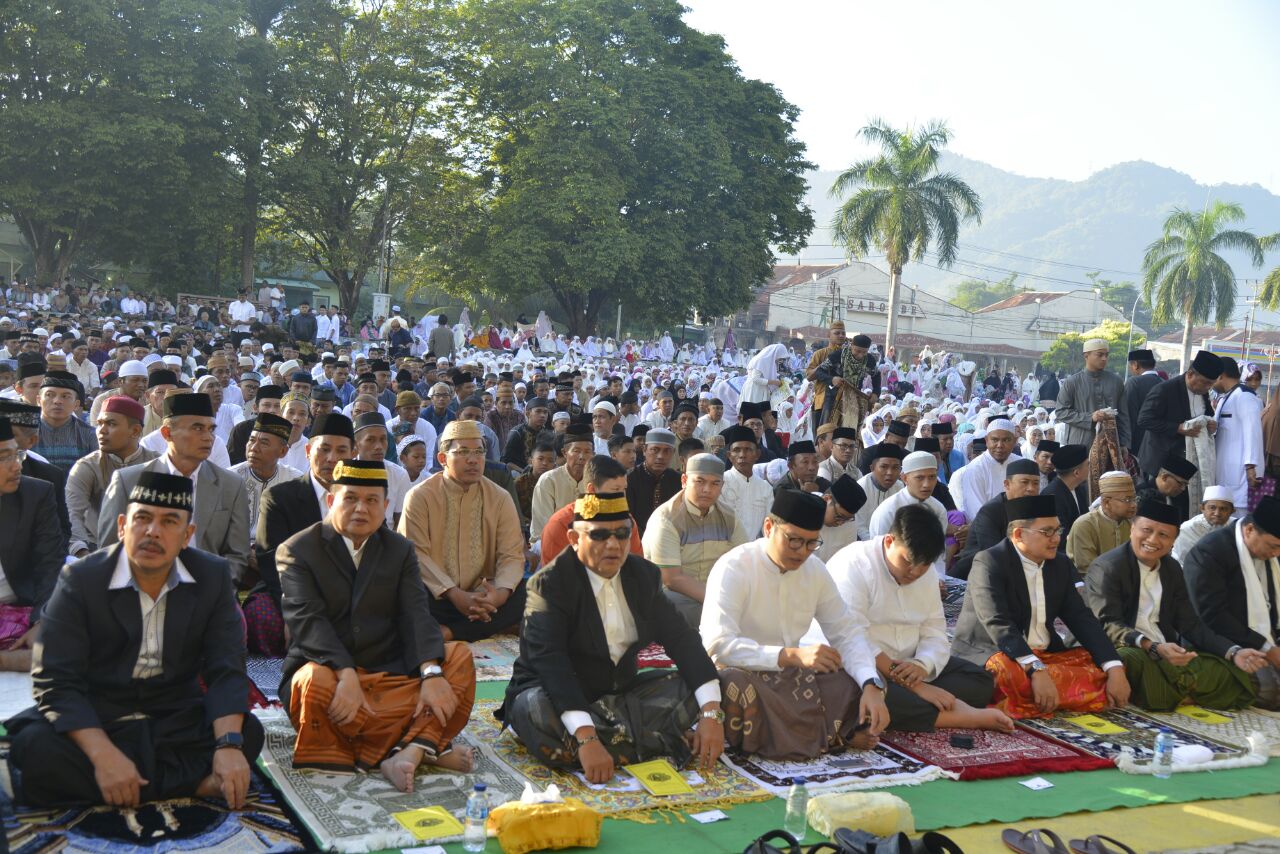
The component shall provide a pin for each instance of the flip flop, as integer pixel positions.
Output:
(936, 843)
(1033, 842)
(1097, 844)
(852, 841)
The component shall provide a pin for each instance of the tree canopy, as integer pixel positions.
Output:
(973, 294)
(1066, 353)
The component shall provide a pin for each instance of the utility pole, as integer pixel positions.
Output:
(617, 335)
(1249, 323)
(837, 304)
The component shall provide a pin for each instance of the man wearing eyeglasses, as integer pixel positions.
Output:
(575, 698)
(844, 447)
(1017, 589)
(788, 700)
(1106, 526)
(470, 545)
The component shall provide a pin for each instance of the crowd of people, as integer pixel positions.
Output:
(785, 522)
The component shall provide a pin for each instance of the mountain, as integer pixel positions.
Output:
(1103, 222)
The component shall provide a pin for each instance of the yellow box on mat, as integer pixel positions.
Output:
(429, 823)
(1093, 723)
(1203, 715)
(659, 778)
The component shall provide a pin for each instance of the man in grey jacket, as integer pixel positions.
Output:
(1086, 394)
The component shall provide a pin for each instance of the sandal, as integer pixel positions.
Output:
(1042, 841)
(1098, 844)
(850, 841)
(936, 843)
(762, 845)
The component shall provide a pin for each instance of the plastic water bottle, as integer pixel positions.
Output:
(1162, 760)
(797, 803)
(474, 837)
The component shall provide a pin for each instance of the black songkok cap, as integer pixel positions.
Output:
(747, 411)
(333, 424)
(802, 509)
(324, 394)
(924, 443)
(1019, 466)
(738, 433)
(31, 369)
(860, 340)
(1047, 445)
(370, 419)
(162, 377)
(6, 430)
(1141, 356)
(366, 378)
(577, 432)
(19, 413)
(899, 428)
(844, 433)
(848, 494)
(943, 428)
(1158, 511)
(686, 407)
(189, 403)
(1031, 507)
(265, 422)
(161, 489)
(795, 449)
(1207, 365)
(379, 365)
(269, 392)
(1266, 515)
(1068, 457)
(884, 449)
(61, 379)
(1179, 467)
(301, 377)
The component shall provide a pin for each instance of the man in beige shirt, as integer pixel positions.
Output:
(687, 534)
(466, 531)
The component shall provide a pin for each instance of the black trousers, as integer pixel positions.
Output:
(463, 629)
(173, 751)
(966, 680)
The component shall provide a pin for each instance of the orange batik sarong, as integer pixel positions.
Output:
(371, 738)
(1081, 683)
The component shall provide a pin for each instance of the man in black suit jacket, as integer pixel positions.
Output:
(1142, 379)
(1070, 497)
(284, 510)
(1168, 405)
(1016, 590)
(32, 549)
(1231, 595)
(369, 680)
(1022, 480)
(128, 637)
(575, 698)
(1138, 593)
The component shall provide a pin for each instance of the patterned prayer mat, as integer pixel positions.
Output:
(179, 825)
(266, 674)
(653, 655)
(623, 797)
(1235, 731)
(995, 754)
(355, 812)
(1139, 732)
(853, 769)
(495, 657)
(952, 602)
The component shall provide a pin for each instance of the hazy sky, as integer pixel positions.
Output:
(1044, 89)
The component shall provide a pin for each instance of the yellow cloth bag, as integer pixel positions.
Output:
(875, 812)
(544, 827)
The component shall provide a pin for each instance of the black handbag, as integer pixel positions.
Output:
(763, 845)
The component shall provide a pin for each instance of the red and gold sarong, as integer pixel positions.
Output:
(371, 738)
(1081, 683)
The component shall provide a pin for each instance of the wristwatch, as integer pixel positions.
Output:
(431, 671)
(877, 682)
(1035, 667)
(716, 715)
(229, 739)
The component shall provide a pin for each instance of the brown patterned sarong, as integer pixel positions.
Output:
(371, 738)
(1104, 456)
(792, 713)
(1081, 683)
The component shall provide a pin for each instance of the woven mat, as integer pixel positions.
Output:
(495, 657)
(952, 601)
(623, 797)
(848, 771)
(182, 824)
(1236, 731)
(995, 754)
(266, 673)
(354, 812)
(1140, 729)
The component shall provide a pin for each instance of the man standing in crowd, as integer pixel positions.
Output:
(1091, 397)
(1142, 378)
(119, 430)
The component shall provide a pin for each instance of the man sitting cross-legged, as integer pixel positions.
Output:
(369, 680)
(1138, 592)
(127, 637)
(1017, 589)
(575, 698)
(885, 582)
(785, 700)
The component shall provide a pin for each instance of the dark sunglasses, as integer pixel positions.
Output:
(601, 535)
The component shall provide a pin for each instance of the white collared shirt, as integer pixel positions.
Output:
(195, 487)
(1038, 632)
(322, 498)
(356, 553)
(1149, 592)
(150, 661)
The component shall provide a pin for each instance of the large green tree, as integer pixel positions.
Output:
(114, 123)
(901, 204)
(973, 294)
(1185, 277)
(617, 155)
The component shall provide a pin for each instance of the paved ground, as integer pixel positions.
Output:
(1268, 846)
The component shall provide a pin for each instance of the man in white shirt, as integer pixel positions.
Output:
(713, 422)
(1239, 453)
(784, 700)
(324, 327)
(881, 483)
(577, 703)
(984, 476)
(242, 313)
(1216, 510)
(840, 528)
(1016, 590)
(372, 441)
(886, 582)
(844, 450)
(919, 477)
(603, 416)
(748, 497)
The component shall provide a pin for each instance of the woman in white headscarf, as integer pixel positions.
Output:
(786, 421)
(762, 374)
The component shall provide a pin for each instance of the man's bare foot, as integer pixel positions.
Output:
(964, 716)
(864, 740)
(15, 660)
(400, 768)
(458, 759)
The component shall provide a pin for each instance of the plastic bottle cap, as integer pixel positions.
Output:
(480, 787)
(797, 781)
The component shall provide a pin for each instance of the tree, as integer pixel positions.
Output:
(1066, 353)
(1185, 277)
(367, 141)
(1269, 296)
(616, 155)
(973, 294)
(903, 205)
(114, 110)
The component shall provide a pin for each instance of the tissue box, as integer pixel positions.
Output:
(879, 813)
(522, 827)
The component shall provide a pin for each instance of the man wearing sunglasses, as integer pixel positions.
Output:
(575, 698)
(1017, 589)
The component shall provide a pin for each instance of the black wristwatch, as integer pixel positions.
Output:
(229, 739)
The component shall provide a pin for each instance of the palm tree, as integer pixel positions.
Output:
(902, 204)
(1185, 277)
(1269, 296)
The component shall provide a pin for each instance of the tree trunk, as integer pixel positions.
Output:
(891, 325)
(1186, 344)
(249, 232)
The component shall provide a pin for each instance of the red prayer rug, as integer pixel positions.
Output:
(994, 754)
(653, 655)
